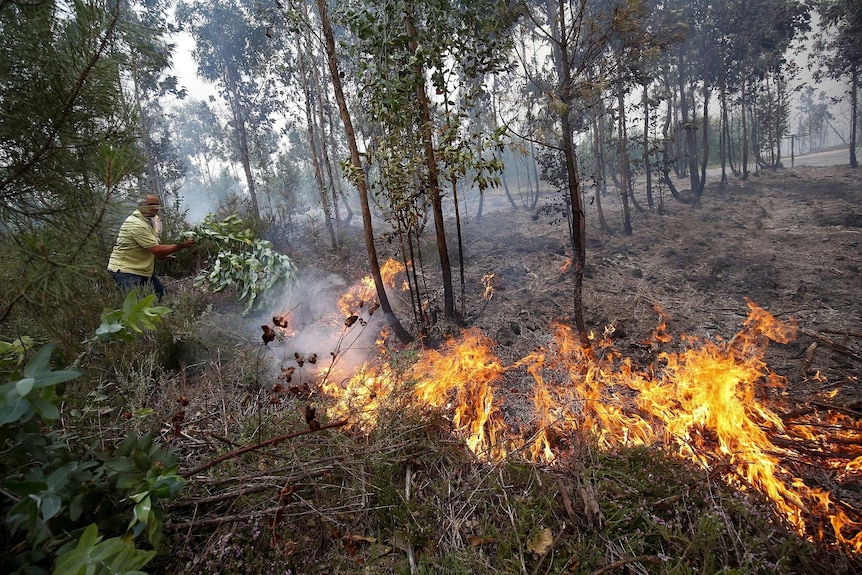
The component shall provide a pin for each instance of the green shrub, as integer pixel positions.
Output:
(58, 493)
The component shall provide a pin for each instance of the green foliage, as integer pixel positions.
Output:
(92, 555)
(243, 262)
(135, 315)
(57, 491)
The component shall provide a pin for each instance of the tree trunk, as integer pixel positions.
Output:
(646, 147)
(535, 172)
(577, 219)
(433, 179)
(356, 163)
(723, 132)
(689, 130)
(508, 197)
(242, 140)
(854, 107)
(598, 153)
(315, 142)
(623, 153)
(744, 159)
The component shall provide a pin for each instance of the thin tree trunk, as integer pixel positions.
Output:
(600, 170)
(623, 153)
(433, 179)
(315, 140)
(359, 174)
(688, 126)
(242, 137)
(744, 104)
(577, 219)
(508, 196)
(854, 107)
(646, 147)
(535, 172)
(704, 145)
(723, 133)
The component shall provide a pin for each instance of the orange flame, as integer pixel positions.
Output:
(364, 291)
(702, 400)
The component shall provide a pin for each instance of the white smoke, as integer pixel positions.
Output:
(317, 329)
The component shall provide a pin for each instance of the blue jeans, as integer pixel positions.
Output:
(128, 282)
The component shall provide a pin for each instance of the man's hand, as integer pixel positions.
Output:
(162, 251)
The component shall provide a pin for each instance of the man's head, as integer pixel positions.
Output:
(150, 205)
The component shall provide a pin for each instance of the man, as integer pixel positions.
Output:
(132, 261)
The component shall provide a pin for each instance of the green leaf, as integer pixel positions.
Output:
(60, 477)
(41, 362)
(24, 386)
(55, 377)
(11, 411)
(89, 537)
(47, 410)
(50, 504)
(129, 303)
(143, 510)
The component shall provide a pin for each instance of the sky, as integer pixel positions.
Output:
(186, 70)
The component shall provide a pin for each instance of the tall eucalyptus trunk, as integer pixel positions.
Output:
(358, 174)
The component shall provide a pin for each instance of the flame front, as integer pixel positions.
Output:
(464, 375)
(703, 401)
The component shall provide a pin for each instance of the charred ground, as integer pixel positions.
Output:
(790, 241)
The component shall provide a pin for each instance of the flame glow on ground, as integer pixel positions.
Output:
(709, 401)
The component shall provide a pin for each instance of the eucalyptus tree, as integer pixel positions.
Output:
(235, 49)
(757, 36)
(577, 33)
(152, 83)
(67, 144)
(319, 129)
(356, 171)
(633, 46)
(839, 49)
(413, 57)
(814, 117)
(200, 139)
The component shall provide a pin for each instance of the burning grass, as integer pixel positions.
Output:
(688, 462)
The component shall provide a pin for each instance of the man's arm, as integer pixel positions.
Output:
(161, 251)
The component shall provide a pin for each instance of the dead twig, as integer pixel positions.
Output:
(834, 345)
(567, 501)
(273, 441)
(843, 332)
(245, 490)
(221, 520)
(622, 562)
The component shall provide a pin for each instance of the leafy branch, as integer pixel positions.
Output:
(243, 262)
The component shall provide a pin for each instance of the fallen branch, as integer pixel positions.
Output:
(622, 562)
(221, 520)
(567, 501)
(273, 441)
(812, 449)
(842, 349)
(221, 496)
(840, 332)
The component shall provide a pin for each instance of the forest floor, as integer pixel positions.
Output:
(789, 242)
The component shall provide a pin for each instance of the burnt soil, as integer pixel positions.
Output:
(789, 241)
